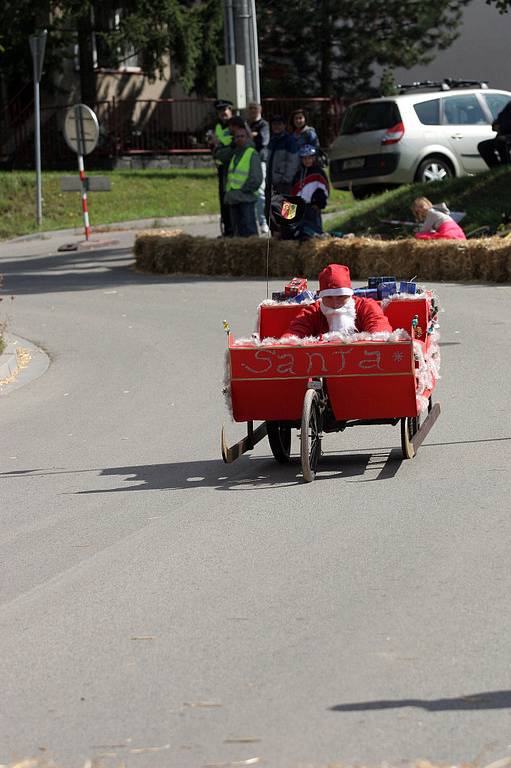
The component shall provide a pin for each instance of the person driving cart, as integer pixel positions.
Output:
(338, 309)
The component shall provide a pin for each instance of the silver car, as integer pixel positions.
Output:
(419, 135)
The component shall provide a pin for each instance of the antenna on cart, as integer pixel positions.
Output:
(267, 262)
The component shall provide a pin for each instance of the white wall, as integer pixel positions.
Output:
(481, 52)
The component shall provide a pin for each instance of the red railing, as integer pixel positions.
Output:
(149, 126)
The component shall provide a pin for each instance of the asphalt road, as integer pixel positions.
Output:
(163, 609)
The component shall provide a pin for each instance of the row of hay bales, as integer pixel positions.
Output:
(173, 252)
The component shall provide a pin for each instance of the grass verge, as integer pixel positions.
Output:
(144, 194)
(484, 197)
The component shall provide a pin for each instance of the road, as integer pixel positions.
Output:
(163, 609)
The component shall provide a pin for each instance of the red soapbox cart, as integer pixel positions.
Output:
(334, 382)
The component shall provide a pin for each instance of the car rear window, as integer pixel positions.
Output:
(371, 116)
(496, 102)
(428, 112)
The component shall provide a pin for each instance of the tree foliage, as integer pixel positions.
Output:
(190, 31)
(331, 47)
(502, 6)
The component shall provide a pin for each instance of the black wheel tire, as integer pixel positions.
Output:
(409, 427)
(279, 437)
(310, 449)
(434, 168)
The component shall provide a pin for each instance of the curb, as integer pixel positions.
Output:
(39, 363)
(8, 361)
(120, 226)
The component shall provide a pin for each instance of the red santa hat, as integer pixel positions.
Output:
(335, 280)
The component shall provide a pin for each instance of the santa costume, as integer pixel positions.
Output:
(357, 314)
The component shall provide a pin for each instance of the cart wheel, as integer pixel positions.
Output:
(279, 437)
(310, 435)
(409, 426)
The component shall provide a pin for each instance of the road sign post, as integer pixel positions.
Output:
(81, 132)
(37, 49)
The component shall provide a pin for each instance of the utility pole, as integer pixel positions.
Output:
(37, 48)
(241, 46)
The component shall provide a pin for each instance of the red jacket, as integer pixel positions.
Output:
(311, 321)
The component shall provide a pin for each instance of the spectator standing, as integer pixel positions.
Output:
(496, 151)
(303, 133)
(311, 184)
(282, 160)
(260, 130)
(244, 176)
(221, 137)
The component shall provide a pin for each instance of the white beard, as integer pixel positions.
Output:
(343, 319)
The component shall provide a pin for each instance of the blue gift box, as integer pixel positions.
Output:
(374, 282)
(366, 293)
(405, 287)
(303, 296)
(387, 289)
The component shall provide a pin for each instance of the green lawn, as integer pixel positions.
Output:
(484, 197)
(134, 195)
(144, 194)
(155, 194)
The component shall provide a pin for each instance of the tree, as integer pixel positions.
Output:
(331, 47)
(189, 31)
(502, 6)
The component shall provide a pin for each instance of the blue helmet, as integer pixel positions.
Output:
(307, 151)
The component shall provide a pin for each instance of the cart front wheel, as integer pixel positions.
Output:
(279, 437)
(310, 435)
(409, 427)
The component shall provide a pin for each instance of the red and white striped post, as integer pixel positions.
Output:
(83, 180)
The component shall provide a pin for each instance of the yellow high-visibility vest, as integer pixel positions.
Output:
(238, 173)
(223, 134)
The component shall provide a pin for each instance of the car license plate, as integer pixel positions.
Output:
(356, 162)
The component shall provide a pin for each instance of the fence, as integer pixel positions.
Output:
(149, 126)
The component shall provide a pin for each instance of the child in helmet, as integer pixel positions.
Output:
(311, 184)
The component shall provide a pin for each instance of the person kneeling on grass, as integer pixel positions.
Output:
(436, 223)
(337, 309)
(244, 177)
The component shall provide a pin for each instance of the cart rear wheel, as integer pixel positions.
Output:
(310, 435)
(279, 437)
(409, 427)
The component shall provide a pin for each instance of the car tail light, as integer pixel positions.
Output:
(394, 134)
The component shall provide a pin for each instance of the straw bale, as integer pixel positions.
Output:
(486, 260)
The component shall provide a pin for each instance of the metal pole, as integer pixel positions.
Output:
(230, 49)
(37, 117)
(255, 53)
(37, 48)
(243, 21)
(83, 179)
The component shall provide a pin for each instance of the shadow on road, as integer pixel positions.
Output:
(85, 271)
(485, 700)
(248, 473)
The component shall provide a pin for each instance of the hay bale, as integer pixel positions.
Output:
(173, 252)
(176, 253)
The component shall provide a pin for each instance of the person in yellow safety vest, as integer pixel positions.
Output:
(221, 136)
(244, 177)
